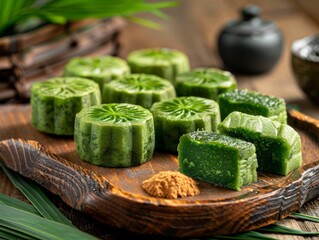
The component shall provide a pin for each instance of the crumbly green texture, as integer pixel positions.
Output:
(140, 89)
(254, 103)
(204, 82)
(218, 159)
(54, 103)
(278, 146)
(180, 115)
(100, 69)
(163, 62)
(114, 135)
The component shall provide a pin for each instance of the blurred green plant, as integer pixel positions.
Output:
(31, 12)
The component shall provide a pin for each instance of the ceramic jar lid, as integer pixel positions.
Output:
(251, 23)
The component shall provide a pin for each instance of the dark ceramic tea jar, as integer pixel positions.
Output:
(251, 44)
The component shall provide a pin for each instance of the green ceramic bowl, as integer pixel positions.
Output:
(305, 65)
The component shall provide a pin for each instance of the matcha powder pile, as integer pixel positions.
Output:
(170, 184)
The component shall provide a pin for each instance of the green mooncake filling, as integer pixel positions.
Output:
(140, 89)
(177, 116)
(115, 135)
(204, 82)
(254, 103)
(99, 69)
(278, 146)
(163, 62)
(54, 103)
(218, 159)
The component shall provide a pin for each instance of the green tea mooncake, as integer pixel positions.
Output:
(218, 159)
(177, 116)
(278, 146)
(163, 62)
(204, 82)
(254, 103)
(99, 69)
(114, 135)
(54, 103)
(140, 89)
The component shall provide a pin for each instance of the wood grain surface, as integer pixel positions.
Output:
(193, 27)
(114, 195)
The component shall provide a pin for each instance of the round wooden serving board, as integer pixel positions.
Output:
(114, 195)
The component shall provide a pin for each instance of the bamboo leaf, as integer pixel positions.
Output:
(38, 227)
(36, 196)
(274, 228)
(53, 18)
(305, 217)
(13, 202)
(9, 11)
(61, 11)
(145, 22)
(160, 14)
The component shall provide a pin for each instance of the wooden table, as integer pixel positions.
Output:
(193, 28)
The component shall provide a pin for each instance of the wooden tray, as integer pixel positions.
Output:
(114, 195)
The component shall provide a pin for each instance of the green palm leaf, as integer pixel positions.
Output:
(7, 233)
(274, 228)
(36, 196)
(13, 202)
(38, 227)
(305, 217)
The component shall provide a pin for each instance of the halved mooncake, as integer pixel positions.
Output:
(54, 103)
(177, 116)
(278, 146)
(100, 69)
(140, 89)
(114, 135)
(254, 103)
(204, 82)
(163, 62)
(218, 159)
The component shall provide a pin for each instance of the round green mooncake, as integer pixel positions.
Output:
(163, 62)
(54, 103)
(115, 135)
(177, 116)
(204, 82)
(99, 69)
(140, 89)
